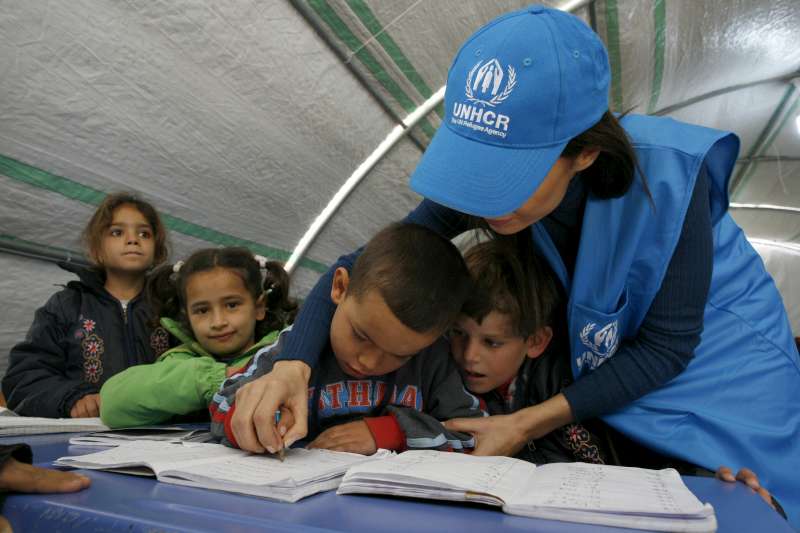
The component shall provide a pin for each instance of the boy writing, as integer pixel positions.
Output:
(386, 379)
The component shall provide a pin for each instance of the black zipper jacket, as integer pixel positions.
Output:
(540, 379)
(81, 337)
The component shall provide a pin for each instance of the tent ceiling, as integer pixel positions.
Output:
(241, 119)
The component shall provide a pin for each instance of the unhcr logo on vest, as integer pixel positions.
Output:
(485, 87)
(602, 345)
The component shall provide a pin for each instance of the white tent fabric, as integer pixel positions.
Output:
(240, 120)
(784, 264)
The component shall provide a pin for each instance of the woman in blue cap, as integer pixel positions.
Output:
(678, 336)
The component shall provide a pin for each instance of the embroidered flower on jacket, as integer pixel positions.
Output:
(92, 369)
(88, 325)
(576, 434)
(92, 348)
(159, 341)
(580, 443)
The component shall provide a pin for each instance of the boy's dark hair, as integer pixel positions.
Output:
(420, 275)
(502, 281)
(94, 231)
(166, 289)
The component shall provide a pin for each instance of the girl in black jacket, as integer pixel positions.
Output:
(94, 327)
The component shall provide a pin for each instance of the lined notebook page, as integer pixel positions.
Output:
(610, 489)
(300, 467)
(500, 477)
(221, 464)
(575, 492)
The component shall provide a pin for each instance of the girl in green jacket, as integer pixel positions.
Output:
(232, 303)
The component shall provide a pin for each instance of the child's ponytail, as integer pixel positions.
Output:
(161, 292)
(281, 310)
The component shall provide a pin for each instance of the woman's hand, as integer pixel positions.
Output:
(749, 478)
(253, 421)
(494, 435)
(86, 407)
(507, 434)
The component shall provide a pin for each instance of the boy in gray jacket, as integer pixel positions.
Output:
(385, 379)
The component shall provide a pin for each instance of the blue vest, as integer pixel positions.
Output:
(738, 401)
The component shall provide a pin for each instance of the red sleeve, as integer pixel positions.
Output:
(386, 432)
(482, 404)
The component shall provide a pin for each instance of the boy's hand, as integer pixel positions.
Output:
(253, 421)
(494, 435)
(22, 477)
(86, 407)
(353, 437)
(749, 478)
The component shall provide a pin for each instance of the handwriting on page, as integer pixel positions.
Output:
(495, 475)
(581, 486)
(487, 478)
(301, 466)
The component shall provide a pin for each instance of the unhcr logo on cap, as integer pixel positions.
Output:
(483, 88)
(487, 82)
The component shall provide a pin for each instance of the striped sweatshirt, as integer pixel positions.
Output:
(403, 409)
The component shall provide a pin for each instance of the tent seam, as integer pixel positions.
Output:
(24, 173)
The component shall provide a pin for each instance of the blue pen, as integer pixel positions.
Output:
(282, 451)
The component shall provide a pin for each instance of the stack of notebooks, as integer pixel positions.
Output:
(655, 500)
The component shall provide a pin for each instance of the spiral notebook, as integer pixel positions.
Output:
(656, 500)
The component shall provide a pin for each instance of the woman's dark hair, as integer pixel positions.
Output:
(509, 278)
(103, 216)
(612, 174)
(166, 289)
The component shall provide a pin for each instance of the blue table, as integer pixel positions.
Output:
(117, 502)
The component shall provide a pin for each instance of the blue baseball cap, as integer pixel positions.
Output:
(518, 91)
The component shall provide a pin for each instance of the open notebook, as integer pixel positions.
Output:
(617, 496)
(214, 466)
(11, 424)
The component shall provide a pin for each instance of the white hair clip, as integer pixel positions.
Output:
(177, 266)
